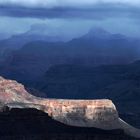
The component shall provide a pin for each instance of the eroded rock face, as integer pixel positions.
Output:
(11, 91)
(84, 113)
(100, 114)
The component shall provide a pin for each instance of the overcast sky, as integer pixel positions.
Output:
(71, 17)
(64, 3)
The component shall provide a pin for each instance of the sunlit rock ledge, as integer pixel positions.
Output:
(100, 114)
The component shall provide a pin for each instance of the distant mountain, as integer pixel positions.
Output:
(97, 33)
(98, 47)
(39, 32)
(16, 42)
(48, 33)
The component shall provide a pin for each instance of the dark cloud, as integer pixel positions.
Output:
(65, 3)
(99, 11)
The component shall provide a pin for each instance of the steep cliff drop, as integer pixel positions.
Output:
(100, 114)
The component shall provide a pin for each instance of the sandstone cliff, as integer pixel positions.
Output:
(100, 114)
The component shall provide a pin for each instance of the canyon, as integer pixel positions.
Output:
(24, 114)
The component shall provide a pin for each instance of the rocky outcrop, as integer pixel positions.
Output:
(101, 114)
(84, 113)
(11, 92)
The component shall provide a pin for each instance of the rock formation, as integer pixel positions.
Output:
(101, 114)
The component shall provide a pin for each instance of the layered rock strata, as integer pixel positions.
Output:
(101, 114)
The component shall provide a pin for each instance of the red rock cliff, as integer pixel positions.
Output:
(81, 113)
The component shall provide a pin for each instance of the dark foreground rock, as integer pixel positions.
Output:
(31, 124)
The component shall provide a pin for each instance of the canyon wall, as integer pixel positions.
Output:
(78, 115)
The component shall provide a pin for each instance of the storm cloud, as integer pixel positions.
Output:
(72, 15)
(64, 3)
(97, 11)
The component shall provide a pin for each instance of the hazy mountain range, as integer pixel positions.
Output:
(31, 56)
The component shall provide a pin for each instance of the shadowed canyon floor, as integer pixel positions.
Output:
(27, 117)
(31, 124)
